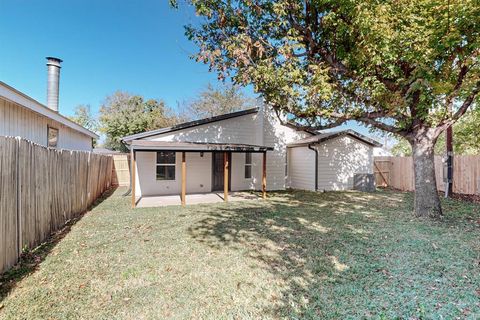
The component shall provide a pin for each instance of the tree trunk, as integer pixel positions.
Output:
(427, 202)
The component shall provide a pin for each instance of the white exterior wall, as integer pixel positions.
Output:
(234, 130)
(199, 174)
(16, 120)
(278, 136)
(254, 128)
(301, 168)
(238, 172)
(339, 159)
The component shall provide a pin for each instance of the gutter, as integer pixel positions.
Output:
(316, 165)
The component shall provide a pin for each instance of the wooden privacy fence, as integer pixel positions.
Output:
(397, 172)
(41, 189)
(121, 170)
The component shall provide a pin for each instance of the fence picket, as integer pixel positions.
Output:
(466, 173)
(42, 188)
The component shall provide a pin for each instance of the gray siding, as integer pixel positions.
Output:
(16, 120)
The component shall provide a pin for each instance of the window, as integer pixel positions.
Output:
(286, 165)
(248, 165)
(52, 137)
(165, 165)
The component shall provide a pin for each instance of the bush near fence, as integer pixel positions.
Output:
(41, 189)
(397, 172)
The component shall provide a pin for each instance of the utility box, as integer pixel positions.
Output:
(364, 182)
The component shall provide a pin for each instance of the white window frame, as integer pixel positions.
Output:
(248, 164)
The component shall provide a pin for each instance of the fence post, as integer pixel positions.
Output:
(18, 196)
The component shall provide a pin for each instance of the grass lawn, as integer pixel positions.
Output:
(296, 255)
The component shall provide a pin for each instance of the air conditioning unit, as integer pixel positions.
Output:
(364, 182)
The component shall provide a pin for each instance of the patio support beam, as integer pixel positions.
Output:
(132, 173)
(264, 176)
(225, 176)
(184, 179)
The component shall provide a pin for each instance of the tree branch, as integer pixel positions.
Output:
(461, 111)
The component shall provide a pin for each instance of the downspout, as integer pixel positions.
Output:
(316, 165)
(127, 193)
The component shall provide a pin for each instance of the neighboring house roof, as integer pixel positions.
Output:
(189, 124)
(140, 145)
(22, 99)
(322, 137)
(105, 151)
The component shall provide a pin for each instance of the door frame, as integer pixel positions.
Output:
(229, 171)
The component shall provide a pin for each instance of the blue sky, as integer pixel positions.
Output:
(106, 45)
(137, 46)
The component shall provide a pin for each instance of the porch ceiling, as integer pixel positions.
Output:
(147, 145)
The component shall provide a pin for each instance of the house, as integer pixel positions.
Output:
(245, 150)
(25, 117)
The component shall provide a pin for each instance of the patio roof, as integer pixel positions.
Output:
(148, 145)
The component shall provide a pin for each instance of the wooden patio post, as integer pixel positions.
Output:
(184, 179)
(225, 176)
(132, 173)
(264, 176)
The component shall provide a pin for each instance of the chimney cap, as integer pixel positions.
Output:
(54, 61)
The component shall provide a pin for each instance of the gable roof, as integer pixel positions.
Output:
(322, 137)
(25, 101)
(194, 123)
(189, 124)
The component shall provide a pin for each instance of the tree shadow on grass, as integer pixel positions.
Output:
(304, 239)
(30, 260)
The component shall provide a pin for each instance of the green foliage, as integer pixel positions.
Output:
(466, 138)
(466, 135)
(83, 116)
(401, 66)
(217, 100)
(401, 148)
(123, 114)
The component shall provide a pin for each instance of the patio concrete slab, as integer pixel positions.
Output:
(199, 198)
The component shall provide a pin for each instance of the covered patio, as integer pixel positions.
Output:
(226, 149)
(196, 198)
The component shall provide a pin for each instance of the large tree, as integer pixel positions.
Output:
(213, 101)
(123, 114)
(409, 67)
(84, 117)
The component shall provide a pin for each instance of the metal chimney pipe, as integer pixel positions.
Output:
(53, 82)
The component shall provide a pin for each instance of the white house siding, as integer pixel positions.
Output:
(339, 159)
(16, 120)
(278, 136)
(238, 172)
(234, 130)
(301, 168)
(257, 129)
(199, 174)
